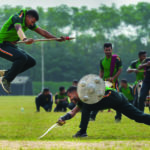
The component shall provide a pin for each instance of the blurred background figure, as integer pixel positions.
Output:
(133, 68)
(126, 90)
(146, 83)
(45, 100)
(128, 93)
(75, 82)
(61, 100)
(72, 104)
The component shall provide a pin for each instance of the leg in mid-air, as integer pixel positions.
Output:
(12, 31)
(21, 62)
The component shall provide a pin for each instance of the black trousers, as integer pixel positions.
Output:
(93, 114)
(62, 106)
(22, 61)
(47, 107)
(136, 97)
(143, 93)
(119, 115)
(118, 102)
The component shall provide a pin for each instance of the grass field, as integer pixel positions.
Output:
(21, 129)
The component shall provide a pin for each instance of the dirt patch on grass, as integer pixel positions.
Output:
(64, 145)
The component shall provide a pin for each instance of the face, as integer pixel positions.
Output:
(124, 85)
(30, 21)
(46, 92)
(108, 51)
(73, 96)
(63, 91)
(142, 57)
(74, 83)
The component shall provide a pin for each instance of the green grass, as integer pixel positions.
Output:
(27, 126)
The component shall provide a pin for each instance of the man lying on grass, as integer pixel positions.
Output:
(93, 98)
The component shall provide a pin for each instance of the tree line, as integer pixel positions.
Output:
(127, 28)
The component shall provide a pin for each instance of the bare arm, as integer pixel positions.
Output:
(130, 70)
(144, 65)
(74, 111)
(48, 35)
(68, 116)
(111, 79)
(22, 35)
(44, 33)
(117, 74)
(20, 32)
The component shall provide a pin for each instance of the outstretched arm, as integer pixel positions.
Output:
(44, 33)
(130, 70)
(68, 116)
(47, 34)
(144, 65)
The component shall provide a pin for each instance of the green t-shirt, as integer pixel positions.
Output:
(8, 31)
(59, 96)
(127, 92)
(108, 88)
(134, 65)
(105, 65)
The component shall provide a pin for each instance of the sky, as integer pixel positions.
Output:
(77, 3)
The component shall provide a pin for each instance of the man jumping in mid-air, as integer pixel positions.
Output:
(12, 31)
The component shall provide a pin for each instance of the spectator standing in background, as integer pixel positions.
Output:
(133, 68)
(73, 103)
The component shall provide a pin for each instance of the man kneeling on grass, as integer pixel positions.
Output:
(61, 100)
(45, 100)
(91, 94)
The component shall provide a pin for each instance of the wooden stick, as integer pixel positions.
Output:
(52, 39)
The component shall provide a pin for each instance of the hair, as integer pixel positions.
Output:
(72, 89)
(45, 90)
(124, 81)
(75, 81)
(106, 45)
(61, 88)
(33, 13)
(141, 53)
